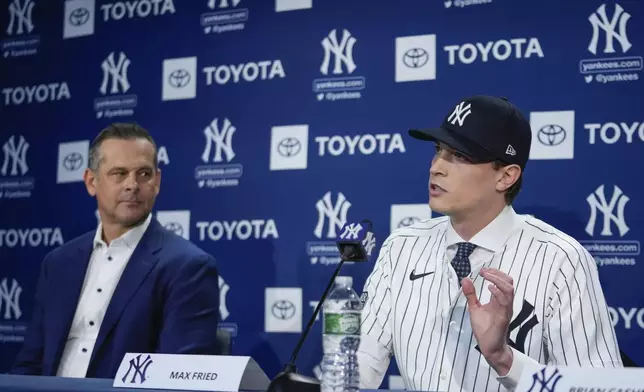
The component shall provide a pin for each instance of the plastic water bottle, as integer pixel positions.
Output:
(341, 338)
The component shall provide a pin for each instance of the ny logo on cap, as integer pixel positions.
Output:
(460, 113)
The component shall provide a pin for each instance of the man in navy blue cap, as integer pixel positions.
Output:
(490, 139)
(471, 300)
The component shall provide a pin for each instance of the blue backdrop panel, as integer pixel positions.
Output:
(279, 120)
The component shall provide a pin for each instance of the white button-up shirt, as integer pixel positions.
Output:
(103, 273)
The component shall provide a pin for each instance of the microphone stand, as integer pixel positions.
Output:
(288, 380)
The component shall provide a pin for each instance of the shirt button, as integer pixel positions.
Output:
(84, 350)
(443, 376)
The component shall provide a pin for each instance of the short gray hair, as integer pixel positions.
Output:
(123, 131)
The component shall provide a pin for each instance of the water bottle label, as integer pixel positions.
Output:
(341, 323)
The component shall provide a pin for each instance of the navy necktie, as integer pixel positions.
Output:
(461, 262)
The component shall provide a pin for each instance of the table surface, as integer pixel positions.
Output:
(13, 383)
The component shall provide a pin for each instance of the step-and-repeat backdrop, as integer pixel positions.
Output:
(279, 120)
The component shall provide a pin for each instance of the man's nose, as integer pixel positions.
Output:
(438, 164)
(131, 181)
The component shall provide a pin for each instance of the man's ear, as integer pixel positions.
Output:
(89, 177)
(158, 181)
(507, 176)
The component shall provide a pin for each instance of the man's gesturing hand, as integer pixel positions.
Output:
(490, 322)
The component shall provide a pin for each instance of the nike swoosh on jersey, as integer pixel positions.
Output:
(414, 277)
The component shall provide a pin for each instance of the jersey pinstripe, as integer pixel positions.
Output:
(560, 315)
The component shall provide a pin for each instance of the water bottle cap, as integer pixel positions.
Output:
(344, 280)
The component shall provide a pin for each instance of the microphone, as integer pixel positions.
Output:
(355, 243)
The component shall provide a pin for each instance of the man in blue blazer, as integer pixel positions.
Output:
(129, 286)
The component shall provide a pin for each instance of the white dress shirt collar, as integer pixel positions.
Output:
(493, 236)
(129, 239)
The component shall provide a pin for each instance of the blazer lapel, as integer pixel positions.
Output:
(137, 269)
(68, 293)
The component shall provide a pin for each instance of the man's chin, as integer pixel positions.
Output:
(132, 219)
(437, 205)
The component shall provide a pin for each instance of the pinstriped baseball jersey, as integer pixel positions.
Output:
(415, 309)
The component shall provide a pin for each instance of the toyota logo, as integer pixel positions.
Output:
(283, 309)
(174, 227)
(289, 146)
(551, 135)
(79, 17)
(179, 78)
(408, 221)
(415, 58)
(73, 161)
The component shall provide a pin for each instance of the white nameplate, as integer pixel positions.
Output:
(576, 379)
(190, 372)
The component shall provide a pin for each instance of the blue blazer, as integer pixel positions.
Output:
(167, 301)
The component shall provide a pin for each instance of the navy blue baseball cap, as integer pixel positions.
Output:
(484, 129)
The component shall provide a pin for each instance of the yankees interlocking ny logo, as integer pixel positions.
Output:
(336, 214)
(613, 211)
(460, 113)
(17, 155)
(351, 232)
(21, 17)
(369, 243)
(525, 327)
(343, 52)
(599, 20)
(220, 140)
(541, 384)
(138, 368)
(117, 71)
(10, 299)
(212, 4)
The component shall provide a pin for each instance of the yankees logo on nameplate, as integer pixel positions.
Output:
(190, 372)
(537, 377)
